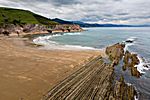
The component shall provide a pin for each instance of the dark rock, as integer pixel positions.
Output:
(124, 67)
(130, 60)
(146, 66)
(126, 59)
(115, 52)
(6, 33)
(135, 60)
(135, 72)
(123, 91)
(94, 81)
(129, 41)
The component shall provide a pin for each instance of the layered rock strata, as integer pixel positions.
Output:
(95, 81)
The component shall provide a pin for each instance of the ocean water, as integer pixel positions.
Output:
(98, 38)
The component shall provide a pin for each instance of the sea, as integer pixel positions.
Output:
(100, 38)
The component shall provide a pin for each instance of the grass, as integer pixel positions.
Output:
(17, 16)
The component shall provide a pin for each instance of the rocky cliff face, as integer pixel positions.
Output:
(11, 28)
(65, 28)
(32, 28)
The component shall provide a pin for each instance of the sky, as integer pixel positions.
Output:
(92, 11)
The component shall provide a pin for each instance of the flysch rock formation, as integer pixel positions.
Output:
(117, 53)
(95, 81)
(130, 60)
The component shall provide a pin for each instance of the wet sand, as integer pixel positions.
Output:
(27, 73)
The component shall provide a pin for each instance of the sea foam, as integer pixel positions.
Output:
(132, 38)
(78, 33)
(48, 44)
(142, 66)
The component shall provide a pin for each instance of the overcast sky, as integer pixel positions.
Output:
(93, 11)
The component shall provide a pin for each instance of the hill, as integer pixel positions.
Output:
(61, 21)
(17, 16)
(82, 24)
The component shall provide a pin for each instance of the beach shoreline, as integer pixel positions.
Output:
(35, 71)
(45, 42)
(28, 72)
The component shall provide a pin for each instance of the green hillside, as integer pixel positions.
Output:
(17, 16)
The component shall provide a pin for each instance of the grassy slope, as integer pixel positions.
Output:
(8, 15)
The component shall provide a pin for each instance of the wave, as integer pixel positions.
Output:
(53, 46)
(48, 44)
(44, 40)
(136, 98)
(46, 37)
(80, 47)
(127, 45)
(142, 66)
(78, 33)
(132, 39)
(51, 36)
(129, 42)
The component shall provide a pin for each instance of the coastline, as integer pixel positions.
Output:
(96, 80)
(39, 59)
(51, 58)
(28, 72)
(48, 44)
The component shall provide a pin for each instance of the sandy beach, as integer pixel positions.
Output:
(27, 73)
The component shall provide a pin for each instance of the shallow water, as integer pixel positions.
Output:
(102, 37)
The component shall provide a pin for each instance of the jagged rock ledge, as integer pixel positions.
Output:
(65, 28)
(95, 81)
(11, 29)
(117, 53)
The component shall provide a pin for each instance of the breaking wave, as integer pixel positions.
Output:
(44, 40)
(143, 65)
(48, 44)
(72, 33)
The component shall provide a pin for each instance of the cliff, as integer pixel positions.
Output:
(17, 21)
(65, 28)
(11, 29)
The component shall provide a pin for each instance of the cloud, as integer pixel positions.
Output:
(93, 11)
(64, 2)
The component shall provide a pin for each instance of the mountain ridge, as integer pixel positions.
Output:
(82, 24)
